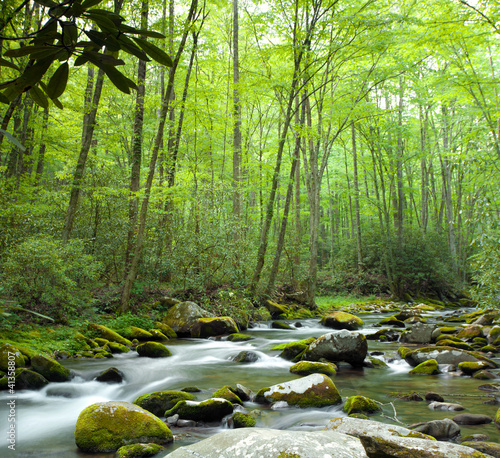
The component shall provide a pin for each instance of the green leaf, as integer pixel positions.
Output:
(147, 33)
(6, 63)
(129, 46)
(99, 38)
(102, 59)
(103, 22)
(57, 83)
(24, 51)
(81, 60)
(47, 3)
(13, 140)
(154, 52)
(39, 97)
(58, 104)
(4, 99)
(90, 3)
(118, 79)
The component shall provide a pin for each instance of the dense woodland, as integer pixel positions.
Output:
(270, 148)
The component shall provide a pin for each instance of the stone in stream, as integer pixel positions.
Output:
(153, 350)
(472, 419)
(138, 450)
(342, 320)
(444, 355)
(440, 429)
(489, 448)
(429, 367)
(312, 367)
(344, 345)
(226, 392)
(419, 333)
(7, 351)
(27, 380)
(315, 390)
(446, 406)
(360, 404)
(218, 326)
(111, 375)
(211, 410)
(50, 369)
(245, 357)
(182, 316)
(160, 401)
(108, 334)
(106, 426)
(273, 443)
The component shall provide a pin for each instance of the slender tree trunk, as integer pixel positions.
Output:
(236, 119)
(43, 147)
(356, 200)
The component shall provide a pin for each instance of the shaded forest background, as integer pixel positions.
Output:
(268, 148)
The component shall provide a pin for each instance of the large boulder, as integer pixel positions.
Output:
(342, 320)
(273, 443)
(419, 333)
(208, 327)
(440, 429)
(9, 353)
(106, 426)
(29, 380)
(160, 401)
(50, 369)
(315, 390)
(211, 410)
(361, 404)
(110, 375)
(182, 316)
(313, 367)
(344, 345)
(444, 355)
(276, 310)
(153, 350)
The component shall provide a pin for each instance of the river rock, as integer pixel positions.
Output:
(344, 345)
(280, 325)
(165, 329)
(29, 380)
(153, 350)
(391, 321)
(138, 451)
(208, 327)
(360, 404)
(50, 369)
(160, 401)
(470, 332)
(10, 353)
(291, 351)
(419, 333)
(242, 420)
(446, 406)
(246, 357)
(133, 332)
(440, 429)
(115, 347)
(429, 367)
(108, 334)
(276, 310)
(342, 320)
(106, 426)
(489, 448)
(443, 355)
(226, 392)
(313, 367)
(158, 336)
(472, 419)
(182, 316)
(315, 390)
(111, 375)
(431, 396)
(211, 410)
(273, 443)
(470, 367)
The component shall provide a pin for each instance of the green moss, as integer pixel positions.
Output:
(286, 454)
(243, 420)
(115, 347)
(50, 369)
(160, 401)
(403, 351)
(470, 367)
(226, 392)
(157, 335)
(429, 367)
(377, 363)
(153, 350)
(360, 404)
(134, 332)
(237, 337)
(448, 338)
(312, 367)
(29, 380)
(448, 330)
(108, 334)
(455, 344)
(342, 320)
(191, 389)
(7, 352)
(138, 450)
(165, 329)
(259, 396)
(392, 321)
(361, 416)
(418, 435)
(209, 410)
(107, 426)
(302, 342)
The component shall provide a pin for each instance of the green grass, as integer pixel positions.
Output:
(329, 303)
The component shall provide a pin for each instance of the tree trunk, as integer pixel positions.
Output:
(356, 200)
(236, 119)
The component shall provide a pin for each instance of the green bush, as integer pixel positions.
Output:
(46, 276)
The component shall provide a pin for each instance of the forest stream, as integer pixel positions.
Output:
(46, 419)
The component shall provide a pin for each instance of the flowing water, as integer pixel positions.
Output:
(45, 419)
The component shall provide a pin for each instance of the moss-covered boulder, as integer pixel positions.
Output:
(445, 355)
(160, 401)
(237, 337)
(50, 369)
(280, 325)
(429, 367)
(106, 426)
(29, 380)
(315, 390)
(182, 316)
(469, 368)
(455, 344)
(360, 404)
(165, 329)
(276, 310)
(133, 332)
(245, 357)
(211, 410)
(158, 336)
(138, 451)
(342, 320)
(343, 345)
(497, 419)
(313, 367)
(403, 351)
(391, 321)
(484, 375)
(153, 350)
(10, 353)
(376, 363)
(108, 334)
(242, 420)
(208, 327)
(489, 448)
(115, 347)
(291, 351)
(110, 375)
(261, 314)
(228, 393)
(471, 331)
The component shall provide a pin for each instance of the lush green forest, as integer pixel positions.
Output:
(263, 149)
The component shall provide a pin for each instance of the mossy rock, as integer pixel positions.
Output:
(448, 338)
(228, 393)
(138, 451)
(361, 416)
(262, 314)
(313, 367)
(182, 316)
(470, 367)
(276, 310)
(158, 336)
(484, 375)
(448, 330)
(153, 350)
(489, 349)
(50, 369)
(102, 353)
(165, 329)
(104, 427)
(29, 380)
(237, 337)
(403, 351)
(480, 340)
(110, 375)
(489, 448)
(377, 363)
(301, 343)
(360, 404)
(455, 344)
(342, 320)
(429, 367)
(211, 410)
(133, 332)
(9, 351)
(160, 401)
(470, 332)
(191, 389)
(98, 342)
(208, 327)
(280, 325)
(392, 321)
(108, 334)
(115, 347)
(243, 420)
